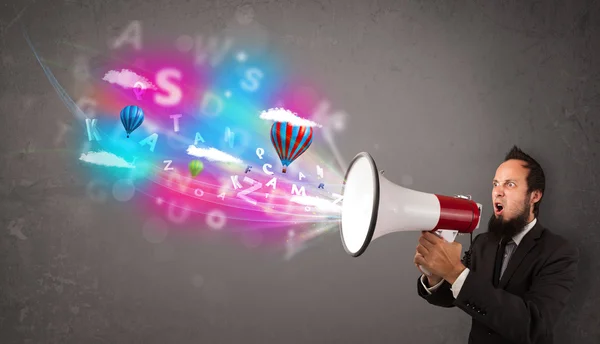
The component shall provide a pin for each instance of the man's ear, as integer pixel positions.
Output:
(536, 196)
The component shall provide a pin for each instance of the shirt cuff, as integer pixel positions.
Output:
(432, 289)
(459, 282)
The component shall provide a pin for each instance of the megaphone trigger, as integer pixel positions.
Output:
(447, 234)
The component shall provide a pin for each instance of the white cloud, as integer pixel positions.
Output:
(105, 159)
(212, 154)
(284, 115)
(127, 79)
(319, 203)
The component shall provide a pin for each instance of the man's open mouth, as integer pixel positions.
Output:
(498, 208)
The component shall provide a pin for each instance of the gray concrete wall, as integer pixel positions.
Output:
(460, 81)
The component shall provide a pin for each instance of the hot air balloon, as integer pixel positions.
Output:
(196, 166)
(132, 117)
(290, 141)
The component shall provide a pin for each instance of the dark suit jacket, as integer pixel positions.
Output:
(524, 306)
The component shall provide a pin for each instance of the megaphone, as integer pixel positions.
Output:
(374, 206)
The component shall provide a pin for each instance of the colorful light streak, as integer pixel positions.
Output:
(213, 113)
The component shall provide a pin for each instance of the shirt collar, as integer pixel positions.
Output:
(517, 238)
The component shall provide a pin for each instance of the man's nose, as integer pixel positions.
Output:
(498, 191)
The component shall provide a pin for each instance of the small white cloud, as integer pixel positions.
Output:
(105, 159)
(127, 79)
(212, 154)
(284, 115)
(319, 203)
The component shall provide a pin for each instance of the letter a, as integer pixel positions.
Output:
(132, 34)
(151, 140)
(272, 182)
(198, 138)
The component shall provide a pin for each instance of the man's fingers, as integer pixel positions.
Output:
(422, 250)
(424, 242)
(417, 255)
(457, 244)
(419, 260)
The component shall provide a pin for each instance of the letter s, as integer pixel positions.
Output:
(173, 91)
(252, 81)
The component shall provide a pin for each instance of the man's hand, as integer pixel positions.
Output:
(431, 279)
(439, 257)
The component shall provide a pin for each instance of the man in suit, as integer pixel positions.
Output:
(520, 274)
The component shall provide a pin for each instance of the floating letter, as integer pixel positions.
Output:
(173, 91)
(90, 124)
(272, 182)
(298, 192)
(260, 152)
(210, 98)
(255, 186)
(183, 215)
(216, 219)
(203, 50)
(229, 137)
(319, 171)
(267, 171)
(252, 81)
(198, 138)
(175, 121)
(236, 183)
(132, 34)
(151, 140)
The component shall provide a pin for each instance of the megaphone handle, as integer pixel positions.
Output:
(446, 234)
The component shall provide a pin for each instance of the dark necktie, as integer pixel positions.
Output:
(508, 251)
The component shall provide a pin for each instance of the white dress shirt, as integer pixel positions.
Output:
(463, 276)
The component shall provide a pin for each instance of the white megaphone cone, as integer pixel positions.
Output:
(373, 206)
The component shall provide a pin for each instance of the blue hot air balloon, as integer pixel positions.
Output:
(132, 117)
(290, 141)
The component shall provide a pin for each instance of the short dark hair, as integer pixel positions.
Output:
(536, 180)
